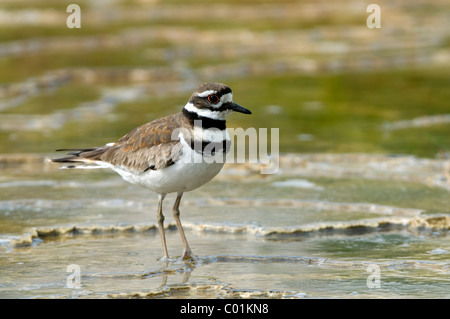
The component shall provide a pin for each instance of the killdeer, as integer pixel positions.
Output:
(173, 154)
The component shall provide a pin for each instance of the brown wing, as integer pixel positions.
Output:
(151, 134)
(149, 146)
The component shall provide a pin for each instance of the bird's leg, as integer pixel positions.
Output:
(160, 219)
(187, 253)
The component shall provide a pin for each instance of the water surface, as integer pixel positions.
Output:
(267, 236)
(340, 210)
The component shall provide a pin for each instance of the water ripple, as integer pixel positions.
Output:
(357, 227)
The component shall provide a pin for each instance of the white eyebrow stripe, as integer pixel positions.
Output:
(215, 115)
(206, 93)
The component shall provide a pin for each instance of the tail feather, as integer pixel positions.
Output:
(77, 151)
(80, 155)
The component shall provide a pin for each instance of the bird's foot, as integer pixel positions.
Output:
(188, 256)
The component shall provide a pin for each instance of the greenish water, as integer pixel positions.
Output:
(364, 128)
(327, 113)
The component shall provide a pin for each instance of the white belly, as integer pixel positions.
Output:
(191, 171)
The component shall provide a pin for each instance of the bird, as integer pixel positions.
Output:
(173, 154)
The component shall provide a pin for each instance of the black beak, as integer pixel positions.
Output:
(237, 108)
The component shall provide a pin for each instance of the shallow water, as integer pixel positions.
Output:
(295, 234)
(326, 226)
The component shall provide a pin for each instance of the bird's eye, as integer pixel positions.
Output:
(214, 99)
